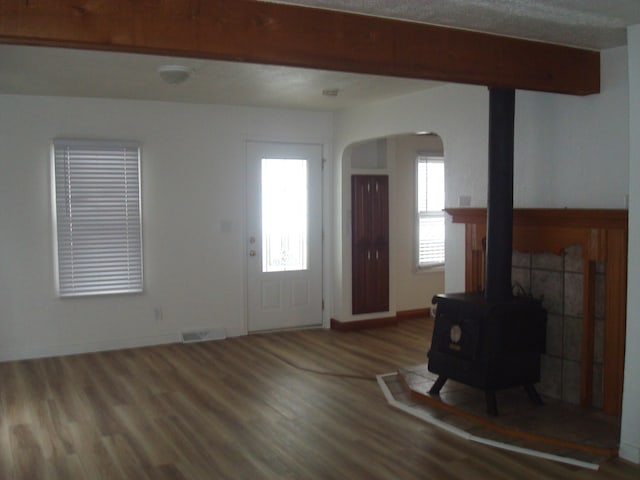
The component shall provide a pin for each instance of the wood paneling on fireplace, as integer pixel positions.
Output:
(602, 234)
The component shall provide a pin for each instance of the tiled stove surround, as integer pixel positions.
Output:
(601, 235)
(558, 281)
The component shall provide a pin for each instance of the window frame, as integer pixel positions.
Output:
(128, 213)
(418, 265)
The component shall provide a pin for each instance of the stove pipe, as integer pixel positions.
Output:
(500, 195)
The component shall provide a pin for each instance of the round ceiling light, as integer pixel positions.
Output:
(174, 74)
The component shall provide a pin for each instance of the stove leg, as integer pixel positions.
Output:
(492, 404)
(533, 394)
(435, 388)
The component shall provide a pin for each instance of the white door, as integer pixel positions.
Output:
(284, 235)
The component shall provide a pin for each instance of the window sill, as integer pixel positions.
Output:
(429, 269)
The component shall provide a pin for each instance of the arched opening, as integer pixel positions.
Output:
(385, 272)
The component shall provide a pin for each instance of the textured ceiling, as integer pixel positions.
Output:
(596, 24)
(593, 24)
(29, 70)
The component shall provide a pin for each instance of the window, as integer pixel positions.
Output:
(97, 217)
(430, 211)
(284, 215)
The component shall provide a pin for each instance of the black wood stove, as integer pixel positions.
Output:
(492, 340)
(488, 345)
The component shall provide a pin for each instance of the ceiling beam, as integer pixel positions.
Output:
(270, 33)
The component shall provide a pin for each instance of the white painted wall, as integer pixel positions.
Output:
(630, 436)
(458, 114)
(569, 151)
(193, 180)
(414, 288)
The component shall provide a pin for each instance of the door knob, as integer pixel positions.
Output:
(252, 253)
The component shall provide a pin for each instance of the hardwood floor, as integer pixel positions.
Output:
(256, 407)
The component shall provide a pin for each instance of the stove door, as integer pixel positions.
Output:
(457, 330)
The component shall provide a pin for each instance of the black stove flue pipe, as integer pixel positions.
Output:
(500, 195)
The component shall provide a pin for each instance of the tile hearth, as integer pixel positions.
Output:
(557, 430)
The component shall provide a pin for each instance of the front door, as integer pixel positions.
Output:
(284, 244)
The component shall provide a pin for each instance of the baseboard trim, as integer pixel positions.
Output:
(81, 348)
(379, 322)
(413, 314)
(363, 324)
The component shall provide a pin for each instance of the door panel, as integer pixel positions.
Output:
(379, 210)
(370, 247)
(359, 206)
(284, 245)
(360, 272)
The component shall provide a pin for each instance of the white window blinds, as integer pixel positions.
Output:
(430, 214)
(97, 214)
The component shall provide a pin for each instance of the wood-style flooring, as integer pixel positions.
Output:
(256, 407)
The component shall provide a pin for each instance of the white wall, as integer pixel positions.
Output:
(458, 114)
(569, 151)
(630, 436)
(414, 288)
(193, 181)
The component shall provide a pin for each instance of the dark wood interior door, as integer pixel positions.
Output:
(370, 243)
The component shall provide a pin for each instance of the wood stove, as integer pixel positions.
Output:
(492, 340)
(488, 345)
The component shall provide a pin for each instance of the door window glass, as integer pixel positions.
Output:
(284, 215)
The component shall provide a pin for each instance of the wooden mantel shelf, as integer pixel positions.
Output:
(559, 217)
(602, 235)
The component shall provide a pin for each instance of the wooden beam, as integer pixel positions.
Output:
(261, 32)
